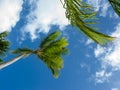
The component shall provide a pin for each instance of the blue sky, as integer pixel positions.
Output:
(88, 65)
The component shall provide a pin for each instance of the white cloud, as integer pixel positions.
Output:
(102, 6)
(9, 13)
(95, 3)
(89, 41)
(45, 14)
(115, 89)
(110, 55)
(105, 76)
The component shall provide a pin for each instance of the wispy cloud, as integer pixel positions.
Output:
(102, 6)
(102, 76)
(9, 13)
(89, 41)
(43, 16)
(115, 89)
(109, 56)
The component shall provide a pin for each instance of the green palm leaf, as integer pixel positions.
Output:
(4, 44)
(1, 60)
(82, 16)
(50, 39)
(116, 6)
(22, 51)
(51, 52)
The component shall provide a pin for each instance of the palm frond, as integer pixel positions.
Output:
(1, 60)
(51, 54)
(49, 39)
(98, 37)
(83, 16)
(4, 44)
(116, 6)
(3, 34)
(22, 51)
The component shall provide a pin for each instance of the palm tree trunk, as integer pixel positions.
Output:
(5, 64)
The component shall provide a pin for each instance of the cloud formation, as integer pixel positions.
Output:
(102, 6)
(102, 76)
(43, 16)
(114, 89)
(9, 13)
(109, 56)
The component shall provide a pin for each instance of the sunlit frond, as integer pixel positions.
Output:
(51, 53)
(116, 6)
(51, 50)
(83, 16)
(49, 39)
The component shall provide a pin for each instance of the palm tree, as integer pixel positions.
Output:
(116, 6)
(50, 52)
(4, 44)
(82, 16)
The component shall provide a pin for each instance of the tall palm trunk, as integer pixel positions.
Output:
(5, 64)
